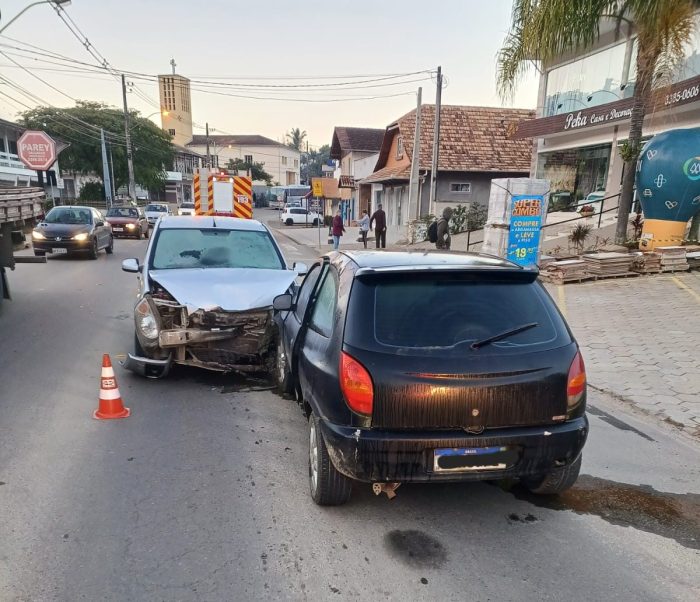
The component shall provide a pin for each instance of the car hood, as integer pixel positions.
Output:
(231, 289)
(62, 229)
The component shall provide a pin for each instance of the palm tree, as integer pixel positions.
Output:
(543, 30)
(296, 138)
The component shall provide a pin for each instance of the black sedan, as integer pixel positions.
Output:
(72, 229)
(431, 367)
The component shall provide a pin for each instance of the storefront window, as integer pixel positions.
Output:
(574, 173)
(587, 82)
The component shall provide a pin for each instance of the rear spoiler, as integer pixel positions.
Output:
(513, 274)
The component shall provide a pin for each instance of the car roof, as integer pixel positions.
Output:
(210, 221)
(425, 259)
(72, 207)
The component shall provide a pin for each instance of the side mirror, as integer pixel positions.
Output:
(131, 265)
(282, 302)
(300, 268)
(99, 223)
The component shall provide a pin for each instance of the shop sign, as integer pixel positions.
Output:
(578, 120)
(525, 229)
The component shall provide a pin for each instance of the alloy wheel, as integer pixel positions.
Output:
(313, 456)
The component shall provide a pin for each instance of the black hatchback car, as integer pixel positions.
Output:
(73, 229)
(431, 367)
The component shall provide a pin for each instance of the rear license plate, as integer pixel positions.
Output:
(118, 229)
(58, 251)
(472, 459)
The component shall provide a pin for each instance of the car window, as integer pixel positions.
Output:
(444, 312)
(68, 215)
(122, 212)
(214, 248)
(324, 307)
(306, 289)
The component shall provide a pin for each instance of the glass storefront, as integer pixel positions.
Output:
(574, 173)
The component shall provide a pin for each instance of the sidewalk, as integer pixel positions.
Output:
(309, 236)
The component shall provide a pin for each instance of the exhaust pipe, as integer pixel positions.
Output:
(388, 488)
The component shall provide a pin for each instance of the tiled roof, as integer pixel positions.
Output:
(471, 138)
(234, 140)
(389, 174)
(347, 139)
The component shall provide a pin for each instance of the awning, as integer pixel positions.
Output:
(387, 175)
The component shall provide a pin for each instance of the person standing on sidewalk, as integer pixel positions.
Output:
(338, 229)
(364, 226)
(443, 230)
(379, 220)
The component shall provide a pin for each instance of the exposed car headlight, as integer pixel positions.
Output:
(37, 235)
(131, 226)
(145, 319)
(81, 236)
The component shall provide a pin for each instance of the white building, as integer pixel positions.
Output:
(279, 160)
(176, 107)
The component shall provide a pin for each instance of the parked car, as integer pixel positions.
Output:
(154, 210)
(186, 209)
(73, 229)
(432, 367)
(205, 297)
(298, 215)
(128, 221)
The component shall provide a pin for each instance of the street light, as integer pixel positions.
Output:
(163, 113)
(26, 8)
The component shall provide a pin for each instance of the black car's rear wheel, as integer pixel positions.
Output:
(109, 249)
(283, 375)
(557, 481)
(328, 486)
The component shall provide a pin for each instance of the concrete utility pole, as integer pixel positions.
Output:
(129, 157)
(436, 141)
(414, 183)
(111, 171)
(207, 136)
(105, 171)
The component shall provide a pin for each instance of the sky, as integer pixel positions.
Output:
(264, 43)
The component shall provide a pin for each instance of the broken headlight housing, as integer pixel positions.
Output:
(146, 319)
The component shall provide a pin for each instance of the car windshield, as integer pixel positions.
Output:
(443, 312)
(122, 212)
(214, 248)
(68, 215)
(157, 208)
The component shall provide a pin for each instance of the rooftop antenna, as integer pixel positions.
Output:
(173, 64)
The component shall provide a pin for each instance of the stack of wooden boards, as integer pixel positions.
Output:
(608, 265)
(646, 263)
(693, 260)
(568, 270)
(673, 259)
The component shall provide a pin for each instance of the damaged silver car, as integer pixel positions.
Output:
(206, 288)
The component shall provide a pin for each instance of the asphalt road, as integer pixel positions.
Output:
(202, 493)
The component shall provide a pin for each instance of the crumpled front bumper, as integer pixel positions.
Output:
(148, 367)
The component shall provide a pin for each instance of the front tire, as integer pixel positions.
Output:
(109, 249)
(557, 481)
(94, 249)
(328, 486)
(289, 222)
(315, 223)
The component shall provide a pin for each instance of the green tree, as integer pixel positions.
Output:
(257, 170)
(92, 191)
(295, 138)
(152, 150)
(543, 30)
(312, 161)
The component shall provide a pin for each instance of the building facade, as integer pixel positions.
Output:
(176, 107)
(280, 161)
(584, 107)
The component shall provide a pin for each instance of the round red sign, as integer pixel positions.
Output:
(36, 150)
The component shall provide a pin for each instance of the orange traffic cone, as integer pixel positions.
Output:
(111, 405)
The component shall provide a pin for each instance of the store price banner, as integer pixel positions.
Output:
(525, 228)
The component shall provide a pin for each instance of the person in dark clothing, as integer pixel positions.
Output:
(443, 230)
(379, 219)
(338, 229)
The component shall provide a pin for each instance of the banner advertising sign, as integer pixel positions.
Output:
(525, 224)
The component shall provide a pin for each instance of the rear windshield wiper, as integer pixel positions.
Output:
(503, 335)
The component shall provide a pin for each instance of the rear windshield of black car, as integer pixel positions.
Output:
(423, 312)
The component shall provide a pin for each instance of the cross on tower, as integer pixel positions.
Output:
(173, 64)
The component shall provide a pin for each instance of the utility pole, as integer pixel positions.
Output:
(129, 158)
(105, 171)
(436, 141)
(414, 183)
(111, 171)
(208, 155)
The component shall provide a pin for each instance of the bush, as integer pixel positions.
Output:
(468, 218)
(92, 191)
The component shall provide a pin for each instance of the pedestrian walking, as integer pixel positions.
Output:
(443, 230)
(364, 226)
(379, 220)
(338, 229)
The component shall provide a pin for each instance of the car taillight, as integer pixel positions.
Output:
(576, 382)
(356, 384)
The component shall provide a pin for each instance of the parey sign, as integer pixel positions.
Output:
(525, 227)
(36, 150)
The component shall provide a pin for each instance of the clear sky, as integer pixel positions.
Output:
(269, 39)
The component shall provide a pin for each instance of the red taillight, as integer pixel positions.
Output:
(576, 383)
(356, 384)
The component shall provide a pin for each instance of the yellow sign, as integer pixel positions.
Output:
(317, 186)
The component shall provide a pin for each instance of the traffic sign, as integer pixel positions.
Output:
(317, 185)
(36, 150)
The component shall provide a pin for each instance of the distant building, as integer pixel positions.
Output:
(279, 160)
(176, 107)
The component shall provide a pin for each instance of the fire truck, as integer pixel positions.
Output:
(219, 193)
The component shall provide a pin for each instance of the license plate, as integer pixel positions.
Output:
(469, 459)
(118, 229)
(59, 251)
